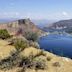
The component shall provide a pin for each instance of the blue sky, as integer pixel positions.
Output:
(36, 9)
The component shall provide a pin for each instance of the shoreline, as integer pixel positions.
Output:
(44, 34)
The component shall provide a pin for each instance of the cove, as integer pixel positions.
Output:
(57, 44)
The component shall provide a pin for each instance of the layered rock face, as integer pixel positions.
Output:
(22, 26)
(65, 25)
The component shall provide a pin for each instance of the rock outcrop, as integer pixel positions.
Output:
(62, 25)
(21, 26)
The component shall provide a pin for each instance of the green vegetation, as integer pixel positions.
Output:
(41, 53)
(34, 44)
(4, 34)
(49, 58)
(40, 63)
(32, 62)
(17, 60)
(10, 62)
(31, 36)
(20, 44)
(56, 64)
(27, 61)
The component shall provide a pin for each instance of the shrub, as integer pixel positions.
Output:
(17, 60)
(31, 36)
(40, 53)
(20, 44)
(32, 62)
(27, 61)
(4, 34)
(40, 64)
(13, 60)
(56, 64)
(49, 58)
(34, 44)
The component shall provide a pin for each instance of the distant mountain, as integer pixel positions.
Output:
(20, 26)
(65, 25)
(7, 20)
(43, 22)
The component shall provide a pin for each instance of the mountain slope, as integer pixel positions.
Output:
(21, 26)
(54, 62)
(65, 25)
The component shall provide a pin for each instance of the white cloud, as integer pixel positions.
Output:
(17, 13)
(64, 13)
(9, 14)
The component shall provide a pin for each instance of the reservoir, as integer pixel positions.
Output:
(60, 44)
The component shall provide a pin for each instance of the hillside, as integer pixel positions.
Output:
(53, 63)
(20, 26)
(63, 25)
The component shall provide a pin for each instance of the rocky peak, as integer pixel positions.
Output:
(24, 21)
(21, 26)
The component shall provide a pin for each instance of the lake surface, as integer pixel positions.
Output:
(57, 44)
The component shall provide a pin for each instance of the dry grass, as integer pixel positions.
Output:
(65, 64)
(5, 49)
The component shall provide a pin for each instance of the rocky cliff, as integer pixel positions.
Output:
(62, 25)
(21, 26)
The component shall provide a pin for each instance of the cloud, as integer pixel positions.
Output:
(17, 13)
(64, 13)
(9, 14)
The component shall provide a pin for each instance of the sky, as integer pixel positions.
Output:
(36, 9)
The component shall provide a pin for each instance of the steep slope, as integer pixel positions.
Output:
(65, 25)
(54, 63)
(21, 26)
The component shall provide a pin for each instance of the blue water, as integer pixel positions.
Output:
(57, 44)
